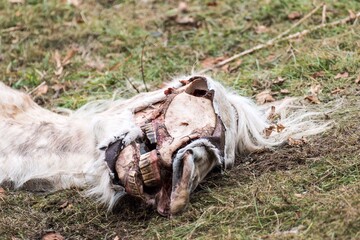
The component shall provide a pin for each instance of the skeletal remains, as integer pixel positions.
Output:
(157, 146)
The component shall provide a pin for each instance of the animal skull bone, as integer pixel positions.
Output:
(183, 140)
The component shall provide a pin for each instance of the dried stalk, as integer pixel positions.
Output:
(277, 40)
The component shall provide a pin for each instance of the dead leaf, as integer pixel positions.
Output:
(284, 91)
(116, 238)
(59, 67)
(212, 4)
(279, 127)
(313, 99)
(278, 81)
(70, 53)
(42, 90)
(315, 89)
(185, 20)
(235, 66)
(337, 90)
(261, 29)
(294, 15)
(297, 142)
(318, 74)
(271, 57)
(357, 80)
(97, 64)
(342, 75)
(183, 7)
(58, 87)
(273, 115)
(2, 193)
(269, 130)
(264, 97)
(210, 62)
(352, 15)
(64, 205)
(52, 236)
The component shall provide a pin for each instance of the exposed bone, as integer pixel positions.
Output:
(168, 149)
(189, 169)
(181, 193)
(186, 113)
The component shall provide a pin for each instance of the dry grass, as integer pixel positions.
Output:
(307, 192)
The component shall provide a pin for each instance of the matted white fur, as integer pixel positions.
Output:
(37, 144)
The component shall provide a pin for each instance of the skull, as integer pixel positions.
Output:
(184, 138)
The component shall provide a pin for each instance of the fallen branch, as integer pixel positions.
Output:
(278, 40)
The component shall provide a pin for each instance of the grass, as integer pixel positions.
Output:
(307, 192)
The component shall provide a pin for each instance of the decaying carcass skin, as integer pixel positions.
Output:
(156, 146)
(183, 140)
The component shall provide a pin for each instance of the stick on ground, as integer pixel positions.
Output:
(277, 40)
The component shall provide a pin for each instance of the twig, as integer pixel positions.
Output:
(272, 42)
(39, 86)
(132, 84)
(307, 31)
(323, 17)
(12, 29)
(307, 16)
(142, 65)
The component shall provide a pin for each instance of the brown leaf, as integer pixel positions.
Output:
(264, 97)
(357, 80)
(2, 192)
(337, 90)
(269, 130)
(70, 53)
(97, 64)
(297, 142)
(210, 62)
(279, 81)
(312, 99)
(294, 15)
(342, 75)
(64, 205)
(52, 236)
(279, 127)
(261, 29)
(318, 74)
(315, 89)
(58, 87)
(352, 15)
(273, 115)
(42, 89)
(57, 59)
(212, 4)
(284, 91)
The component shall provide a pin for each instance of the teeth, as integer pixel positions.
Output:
(150, 132)
(149, 168)
(133, 185)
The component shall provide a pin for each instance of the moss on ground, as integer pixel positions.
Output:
(307, 192)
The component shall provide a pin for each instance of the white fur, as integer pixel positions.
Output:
(65, 150)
